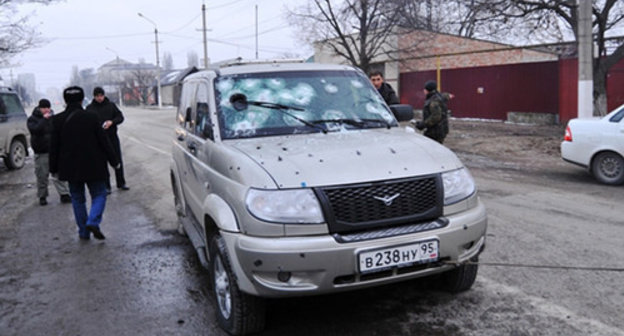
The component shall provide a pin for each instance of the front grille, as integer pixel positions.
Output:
(360, 207)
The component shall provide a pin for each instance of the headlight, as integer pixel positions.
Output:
(284, 206)
(458, 185)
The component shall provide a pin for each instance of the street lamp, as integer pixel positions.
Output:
(157, 57)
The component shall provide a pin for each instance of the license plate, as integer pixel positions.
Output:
(398, 256)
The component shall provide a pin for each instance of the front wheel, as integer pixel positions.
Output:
(17, 155)
(608, 168)
(238, 313)
(461, 278)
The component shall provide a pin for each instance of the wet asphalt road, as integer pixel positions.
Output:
(545, 233)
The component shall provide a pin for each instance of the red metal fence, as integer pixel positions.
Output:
(491, 92)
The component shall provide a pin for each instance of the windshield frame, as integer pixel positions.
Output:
(370, 97)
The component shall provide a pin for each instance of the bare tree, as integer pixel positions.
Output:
(139, 83)
(356, 30)
(192, 60)
(16, 35)
(168, 61)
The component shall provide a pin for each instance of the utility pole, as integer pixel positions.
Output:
(205, 39)
(585, 60)
(157, 58)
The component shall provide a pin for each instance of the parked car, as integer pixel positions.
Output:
(295, 179)
(598, 145)
(14, 135)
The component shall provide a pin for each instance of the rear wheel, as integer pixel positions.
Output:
(461, 278)
(16, 156)
(237, 313)
(608, 168)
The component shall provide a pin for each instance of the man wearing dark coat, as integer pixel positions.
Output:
(110, 116)
(79, 152)
(40, 127)
(435, 118)
(385, 90)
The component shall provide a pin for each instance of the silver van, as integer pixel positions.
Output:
(14, 135)
(296, 179)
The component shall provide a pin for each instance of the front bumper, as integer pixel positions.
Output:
(295, 266)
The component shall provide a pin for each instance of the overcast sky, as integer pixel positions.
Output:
(89, 33)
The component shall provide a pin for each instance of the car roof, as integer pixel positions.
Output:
(271, 66)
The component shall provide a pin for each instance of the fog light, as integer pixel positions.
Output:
(283, 276)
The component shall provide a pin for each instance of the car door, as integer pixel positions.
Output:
(4, 125)
(200, 143)
(13, 120)
(183, 152)
(617, 131)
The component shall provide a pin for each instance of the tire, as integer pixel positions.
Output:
(16, 156)
(238, 313)
(461, 278)
(608, 168)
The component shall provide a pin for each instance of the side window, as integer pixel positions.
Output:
(203, 125)
(11, 105)
(185, 109)
(2, 106)
(617, 117)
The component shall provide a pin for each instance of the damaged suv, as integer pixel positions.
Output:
(296, 179)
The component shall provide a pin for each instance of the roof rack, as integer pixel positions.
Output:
(240, 61)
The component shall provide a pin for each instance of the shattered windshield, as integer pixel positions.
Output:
(279, 103)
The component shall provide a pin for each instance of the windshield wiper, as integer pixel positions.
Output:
(239, 102)
(360, 123)
(377, 121)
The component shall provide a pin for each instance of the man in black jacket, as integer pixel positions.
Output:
(435, 118)
(40, 127)
(110, 116)
(385, 90)
(79, 152)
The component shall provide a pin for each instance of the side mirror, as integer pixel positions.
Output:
(402, 112)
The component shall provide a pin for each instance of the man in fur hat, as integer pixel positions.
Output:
(79, 153)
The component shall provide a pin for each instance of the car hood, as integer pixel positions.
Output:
(309, 160)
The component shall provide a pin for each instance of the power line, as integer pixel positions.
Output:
(99, 37)
(224, 5)
(185, 25)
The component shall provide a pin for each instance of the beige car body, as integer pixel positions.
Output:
(14, 135)
(212, 178)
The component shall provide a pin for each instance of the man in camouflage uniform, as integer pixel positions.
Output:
(435, 120)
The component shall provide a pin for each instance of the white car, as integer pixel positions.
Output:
(598, 145)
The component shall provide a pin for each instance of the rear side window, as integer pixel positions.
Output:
(617, 117)
(11, 105)
(186, 102)
(203, 125)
